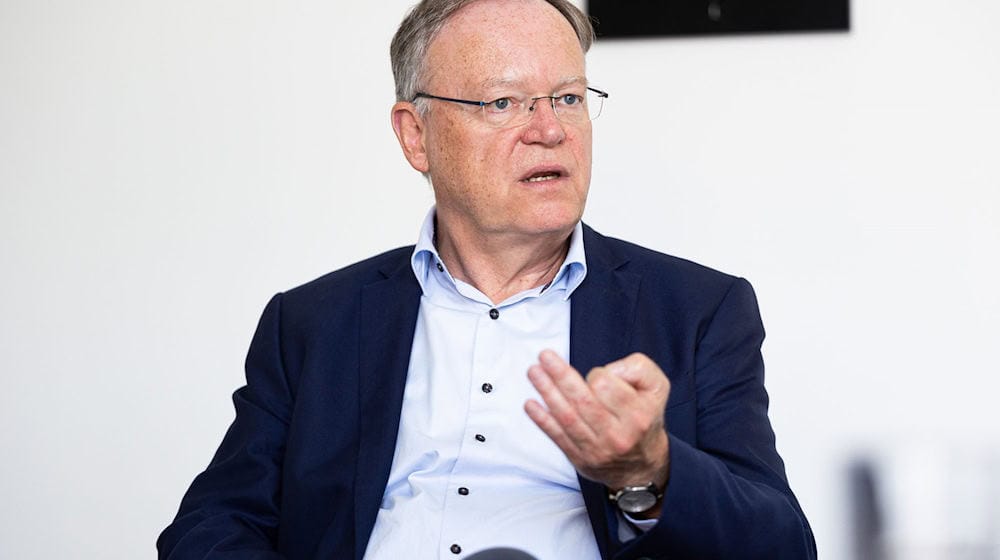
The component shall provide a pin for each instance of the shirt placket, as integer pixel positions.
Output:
(461, 508)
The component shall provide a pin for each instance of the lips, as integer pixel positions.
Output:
(544, 173)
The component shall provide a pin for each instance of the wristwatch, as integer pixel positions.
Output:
(636, 499)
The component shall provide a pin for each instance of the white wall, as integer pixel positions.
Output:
(166, 166)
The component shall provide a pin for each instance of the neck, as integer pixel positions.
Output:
(501, 265)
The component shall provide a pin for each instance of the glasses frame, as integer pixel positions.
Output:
(482, 104)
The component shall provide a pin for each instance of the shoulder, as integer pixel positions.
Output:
(345, 284)
(676, 299)
(683, 277)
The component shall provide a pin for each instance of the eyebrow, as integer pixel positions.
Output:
(509, 82)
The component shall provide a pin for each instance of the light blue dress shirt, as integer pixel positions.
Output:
(471, 470)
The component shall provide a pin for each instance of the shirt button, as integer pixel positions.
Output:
(456, 549)
(494, 314)
(487, 388)
(480, 437)
(440, 267)
(463, 491)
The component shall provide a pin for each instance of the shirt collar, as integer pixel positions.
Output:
(426, 261)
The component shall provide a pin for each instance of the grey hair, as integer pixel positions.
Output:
(425, 20)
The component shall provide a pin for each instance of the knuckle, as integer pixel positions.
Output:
(565, 417)
(620, 445)
(584, 400)
(640, 359)
(600, 383)
(647, 364)
(643, 423)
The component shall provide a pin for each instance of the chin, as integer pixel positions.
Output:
(555, 220)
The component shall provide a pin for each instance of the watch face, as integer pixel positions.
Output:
(636, 501)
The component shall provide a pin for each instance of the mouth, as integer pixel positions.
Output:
(543, 174)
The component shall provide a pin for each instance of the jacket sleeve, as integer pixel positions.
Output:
(231, 509)
(727, 496)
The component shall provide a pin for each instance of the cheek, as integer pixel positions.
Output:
(582, 150)
(455, 149)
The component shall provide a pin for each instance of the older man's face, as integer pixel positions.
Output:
(528, 179)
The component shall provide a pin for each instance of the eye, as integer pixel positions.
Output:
(500, 105)
(570, 99)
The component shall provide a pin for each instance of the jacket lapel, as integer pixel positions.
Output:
(601, 318)
(388, 319)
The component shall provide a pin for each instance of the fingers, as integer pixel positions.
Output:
(568, 400)
(611, 390)
(609, 425)
(553, 429)
(608, 393)
(598, 398)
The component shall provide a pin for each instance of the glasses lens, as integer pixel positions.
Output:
(595, 104)
(578, 107)
(506, 111)
(570, 108)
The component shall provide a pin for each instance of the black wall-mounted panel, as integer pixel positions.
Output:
(658, 18)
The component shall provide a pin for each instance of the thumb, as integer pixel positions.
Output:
(638, 371)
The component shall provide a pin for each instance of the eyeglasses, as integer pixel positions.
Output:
(515, 110)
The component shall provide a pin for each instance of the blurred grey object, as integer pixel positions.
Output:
(926, 501)
(866, 516)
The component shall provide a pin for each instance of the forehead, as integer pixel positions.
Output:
(504, 42)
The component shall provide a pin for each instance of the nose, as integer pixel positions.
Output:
(543, 127)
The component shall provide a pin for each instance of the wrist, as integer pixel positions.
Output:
(637, 500)
(641, 494)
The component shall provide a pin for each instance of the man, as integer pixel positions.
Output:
(429, 402)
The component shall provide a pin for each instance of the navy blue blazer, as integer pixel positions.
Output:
(301, 472)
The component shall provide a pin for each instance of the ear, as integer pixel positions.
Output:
(409, 128)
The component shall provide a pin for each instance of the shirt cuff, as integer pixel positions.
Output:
(630, 528)
(641, 524)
